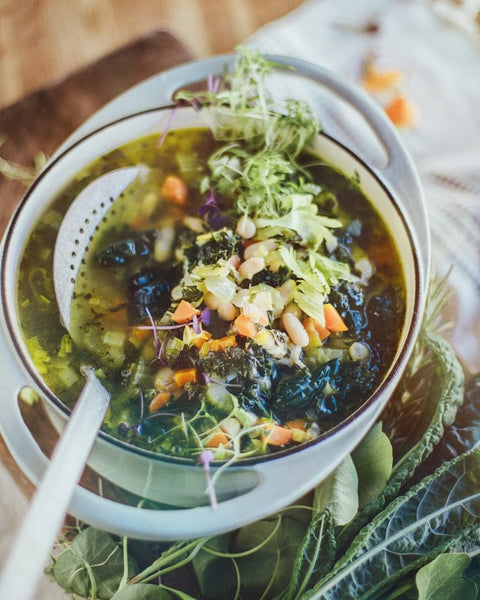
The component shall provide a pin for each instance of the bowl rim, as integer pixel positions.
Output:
(397, 365)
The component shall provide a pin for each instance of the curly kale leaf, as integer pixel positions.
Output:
(222, 245)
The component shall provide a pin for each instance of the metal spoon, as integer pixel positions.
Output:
(49, 505)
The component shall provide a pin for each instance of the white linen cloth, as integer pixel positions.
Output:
(437, 49)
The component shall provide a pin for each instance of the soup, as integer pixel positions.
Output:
(241, 296)
(214, 325)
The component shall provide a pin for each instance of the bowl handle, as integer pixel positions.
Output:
(15, 432)
(281, 482)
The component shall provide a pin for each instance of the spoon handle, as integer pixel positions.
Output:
(46, 513)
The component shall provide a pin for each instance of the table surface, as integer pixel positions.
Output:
(44, 40)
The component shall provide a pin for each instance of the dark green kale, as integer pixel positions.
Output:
(248, 373)
(148, 291)
(122, 251)
(330, 391)
(273, 278)
(222, 245)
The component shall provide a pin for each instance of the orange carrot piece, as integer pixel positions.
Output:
(141, 334)
(296, 424)
(401, 112)
(222, 343)
(199, 340)
(159, 401)
(175, 189)
(374, 80)
(279, 436)
(218, 439)
(184, 312)
(245, 327)
(314, 327)
(184, 376)
(333, 320)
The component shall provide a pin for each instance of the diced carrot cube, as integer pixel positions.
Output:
(159, 401)
(296, 424)
(175, 189)
(199, 340)
(184, 312)
(218, 439)
(184, 376)
(333, 320)
(245, 326)
(314, 327)
(222, 343)
(401, 112)
(279, 436)
(375, 80)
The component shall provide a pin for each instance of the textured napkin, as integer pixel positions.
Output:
(437, 49)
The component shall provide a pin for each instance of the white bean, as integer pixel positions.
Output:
(251, 266)
(231, 425)
(211, 300)
(235, 261)
(163, 244)
(149, 203)
(226, 310)
(246, 227)
(295, 330)
(259, 249)
(365, 268)
(177, 293)
(286, 289)
(163, 378)
(358, 351)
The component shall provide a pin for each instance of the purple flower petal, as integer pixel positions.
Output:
(196, 325)
(211, 212)
(205, 316)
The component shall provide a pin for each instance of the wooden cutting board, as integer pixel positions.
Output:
(43, 120)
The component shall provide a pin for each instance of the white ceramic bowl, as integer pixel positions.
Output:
(253, 488)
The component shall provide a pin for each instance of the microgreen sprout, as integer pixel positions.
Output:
(152, 322)
(168, 124)
(213, 83)
(205, 458)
